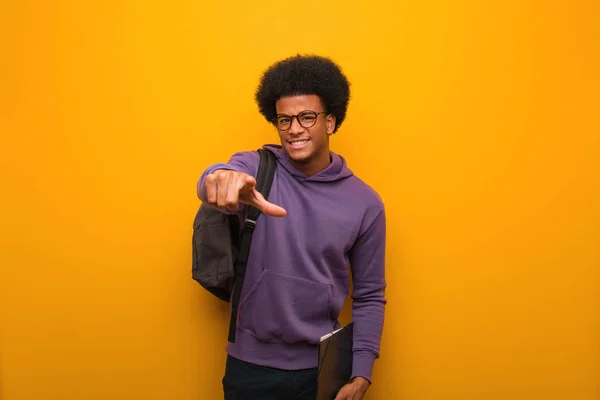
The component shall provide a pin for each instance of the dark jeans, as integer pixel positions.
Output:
(245, 381)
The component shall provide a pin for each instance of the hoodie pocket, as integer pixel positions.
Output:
(282, 308)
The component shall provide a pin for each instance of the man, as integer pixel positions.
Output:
(319, 217)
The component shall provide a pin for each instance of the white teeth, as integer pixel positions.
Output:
(300, 142)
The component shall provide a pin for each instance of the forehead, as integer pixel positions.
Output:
(296, 104)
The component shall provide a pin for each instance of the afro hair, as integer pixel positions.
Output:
(304, 75)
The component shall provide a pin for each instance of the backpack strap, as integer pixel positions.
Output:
(264, 179)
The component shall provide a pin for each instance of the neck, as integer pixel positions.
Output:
(314, 166)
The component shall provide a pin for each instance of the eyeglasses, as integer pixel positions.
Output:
(306, 119)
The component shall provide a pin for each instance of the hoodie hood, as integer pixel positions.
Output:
(336, 170)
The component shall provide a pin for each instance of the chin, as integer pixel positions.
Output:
(299, 155)
(301, 160)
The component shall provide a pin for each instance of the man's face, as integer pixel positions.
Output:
(307, 139)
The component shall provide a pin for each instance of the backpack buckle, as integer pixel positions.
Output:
(249, 224)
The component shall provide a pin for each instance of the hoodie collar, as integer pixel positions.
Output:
(336, 170)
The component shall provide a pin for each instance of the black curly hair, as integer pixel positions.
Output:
(303, 75)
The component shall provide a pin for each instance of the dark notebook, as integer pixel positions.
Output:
(335, 362)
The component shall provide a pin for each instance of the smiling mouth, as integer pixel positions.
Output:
(298, 143)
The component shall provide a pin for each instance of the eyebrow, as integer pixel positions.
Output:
(289, 115)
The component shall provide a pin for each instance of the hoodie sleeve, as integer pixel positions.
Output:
(367, 260)
(246, 162)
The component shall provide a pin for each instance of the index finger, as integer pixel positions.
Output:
(256, 199)
(247, 183)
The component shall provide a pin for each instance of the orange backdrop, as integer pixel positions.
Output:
(477, 122)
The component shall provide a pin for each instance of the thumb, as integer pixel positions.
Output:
(257, 200)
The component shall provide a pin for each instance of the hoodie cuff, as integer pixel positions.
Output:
(362, 365)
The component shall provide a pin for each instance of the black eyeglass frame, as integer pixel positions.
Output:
(297, 116)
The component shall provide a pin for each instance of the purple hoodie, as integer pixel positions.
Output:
(297, 276)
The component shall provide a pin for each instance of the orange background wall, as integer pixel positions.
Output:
(483, 117)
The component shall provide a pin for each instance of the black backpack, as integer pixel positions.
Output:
(220, 248)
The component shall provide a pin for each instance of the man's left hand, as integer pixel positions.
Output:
(354, 390)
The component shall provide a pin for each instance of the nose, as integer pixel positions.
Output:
(295, 128)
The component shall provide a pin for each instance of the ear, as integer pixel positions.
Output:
(330, 124)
